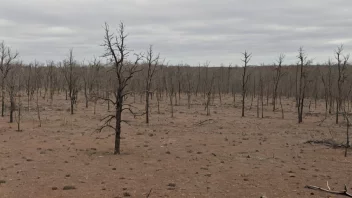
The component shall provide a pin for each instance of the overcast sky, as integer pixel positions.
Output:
(183, 31)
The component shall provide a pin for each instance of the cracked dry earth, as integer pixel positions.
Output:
(190, 155)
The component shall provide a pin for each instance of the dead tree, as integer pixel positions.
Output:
(228, 78)
(341, 68)
(6, 59)
(51, 80)
(261, 86)
(208, 87)
(93, 86)
(326, 79)
(316, 88)
(90, 82)
(302, 83)
(277, 77)
(234, 94)
(86, 84)
(296, 84)
(152, 63)
(330, 86)
(160, 86)
(37, 77)
(116, 51)
(19, 115)
(282, 108)
(220, 78)
(189, 90)
(245, 76)
(198, 81)
(347, 132)
(210, 90)
(179, 79)
(29, 85)
(259, 95)
(71, 78)
(11, 88)
(171, 93)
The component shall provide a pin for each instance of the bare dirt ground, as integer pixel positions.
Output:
(190, 155)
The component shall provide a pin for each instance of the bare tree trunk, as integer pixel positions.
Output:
(243, 102)
(12, 104)
(147, 107)
(152, 62)
(72, 103)
(220, 95)
(208, 103)
(302, 83)
(326, 96)
(282, 109)
(198, 83)
(3, 98)
(267, 95)
(347, 137)
(38, 109)
(86, 94)
(347, 132)
(158, 102)
(297, 93)
(118, 121)
(234, 99)
(171, 104)
(258, 107)
(189, 99)
(261, 85)
(228, 79)
(329, 87)
(179, 92)
(19, 113)
(277, 78)
(29, 87)
(189, 93)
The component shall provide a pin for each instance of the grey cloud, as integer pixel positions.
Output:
(183, 31)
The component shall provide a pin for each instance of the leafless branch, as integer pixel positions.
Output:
(344, 192)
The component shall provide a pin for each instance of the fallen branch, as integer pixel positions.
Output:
(345, 193)
(150, 192)
(328, 142)
(200, 123)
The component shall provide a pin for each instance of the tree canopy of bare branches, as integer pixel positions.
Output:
(6, 59)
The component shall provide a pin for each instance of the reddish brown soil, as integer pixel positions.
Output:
(190, 155)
